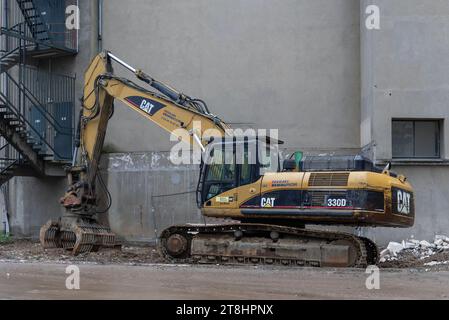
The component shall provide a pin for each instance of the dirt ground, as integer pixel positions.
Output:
(29, 272)
(47, 280)
(31, 251)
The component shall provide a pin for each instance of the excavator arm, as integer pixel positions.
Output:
(170, 110)
(78, 229)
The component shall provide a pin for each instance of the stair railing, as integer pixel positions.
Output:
(20, 103)
(52, 23)
(9, 157)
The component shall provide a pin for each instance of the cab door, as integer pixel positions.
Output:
(249, 178)
(231, 174)
(219, 176)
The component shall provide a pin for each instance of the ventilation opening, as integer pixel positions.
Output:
(328, 179)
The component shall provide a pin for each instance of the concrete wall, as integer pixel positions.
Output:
(32, 202)
(149, 193)
(292, 65)
(405, 68)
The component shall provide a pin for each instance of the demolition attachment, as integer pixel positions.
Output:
(78, 236)
(78, 230)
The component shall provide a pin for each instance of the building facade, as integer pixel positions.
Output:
(322, 72)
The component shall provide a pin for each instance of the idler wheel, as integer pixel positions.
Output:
(177, 244)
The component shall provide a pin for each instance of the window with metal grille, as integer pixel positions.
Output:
(416, 139)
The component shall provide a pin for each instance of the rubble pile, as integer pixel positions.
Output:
(417, 252)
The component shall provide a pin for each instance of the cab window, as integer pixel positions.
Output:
(268, 158)
(221, 172)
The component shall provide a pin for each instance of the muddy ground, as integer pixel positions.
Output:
(137, 272)
(31, 251)
(48, 280)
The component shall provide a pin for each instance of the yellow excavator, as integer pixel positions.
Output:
(240, 179)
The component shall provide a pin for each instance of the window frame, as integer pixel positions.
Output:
(438, 141)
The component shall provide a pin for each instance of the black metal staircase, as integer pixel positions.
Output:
(36, 107)
(9, 59)
(34, 20)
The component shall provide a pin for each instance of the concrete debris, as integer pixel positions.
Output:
(420, 250)
(393, 248)
(435, 263)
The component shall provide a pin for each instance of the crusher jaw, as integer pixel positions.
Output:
(77, 234)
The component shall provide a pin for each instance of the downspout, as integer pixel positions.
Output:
(3, 42)
(94, 41)
(4, 208)
(4, 190)
(100, 25)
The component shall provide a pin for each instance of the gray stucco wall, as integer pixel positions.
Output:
(292, 65)
(149, 193)
(405, 67)
(32, 202)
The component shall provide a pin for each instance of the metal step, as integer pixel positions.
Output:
(15, 123)
(8, 172)
(45, 154)
(36, 147)
(10, 117)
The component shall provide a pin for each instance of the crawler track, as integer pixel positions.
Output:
(265, 244)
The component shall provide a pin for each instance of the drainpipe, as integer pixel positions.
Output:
(4, 190)
(100, 25)
(4, 208)
(4, 23)
(4, 13)
(94, 39)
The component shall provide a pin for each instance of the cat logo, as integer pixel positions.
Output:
(267, 202)
(403, 202)
(146, 106)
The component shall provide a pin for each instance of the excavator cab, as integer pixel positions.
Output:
(232, 162)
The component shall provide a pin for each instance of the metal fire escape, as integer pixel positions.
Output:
(36, 106)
